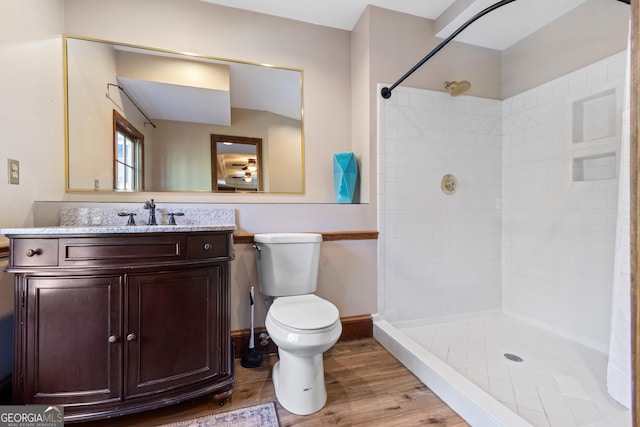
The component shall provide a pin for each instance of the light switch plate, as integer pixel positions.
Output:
(13, 166)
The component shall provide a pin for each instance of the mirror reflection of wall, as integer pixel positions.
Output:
(177, 102)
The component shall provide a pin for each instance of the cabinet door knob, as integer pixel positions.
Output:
(131, 337)
(208, 246)
(113, 338)
(32, 252)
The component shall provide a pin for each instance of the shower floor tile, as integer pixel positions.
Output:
(558, 383)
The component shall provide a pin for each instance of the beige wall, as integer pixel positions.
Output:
(30, 126)
(347, 272)
(385, 45)
(206, 29)
(172, 71)
(324, 55)
(179, 157)
(399, 41)
(92, 136)
(31, 105)
(341, 73)
(32, 123)
(592, 31)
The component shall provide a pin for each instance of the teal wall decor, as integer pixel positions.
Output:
(345, 175)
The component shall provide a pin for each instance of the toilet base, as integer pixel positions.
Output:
(299, 383)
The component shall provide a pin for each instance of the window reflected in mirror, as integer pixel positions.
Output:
(128, 155)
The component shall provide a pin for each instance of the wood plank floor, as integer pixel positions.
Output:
(365, 386)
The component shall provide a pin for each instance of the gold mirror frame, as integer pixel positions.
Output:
(296, 186)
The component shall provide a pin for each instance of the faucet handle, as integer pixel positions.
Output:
(131, 221)
(172, 215)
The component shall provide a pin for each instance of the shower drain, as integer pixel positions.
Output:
(513, 357)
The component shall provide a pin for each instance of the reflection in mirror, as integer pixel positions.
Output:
(176, 103)
(128, 155)
(238, 163)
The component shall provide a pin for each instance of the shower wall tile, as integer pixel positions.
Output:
(439, 255)
(520, 234)
(557, 233)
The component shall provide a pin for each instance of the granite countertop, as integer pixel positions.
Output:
(112, 229)
(108, 220)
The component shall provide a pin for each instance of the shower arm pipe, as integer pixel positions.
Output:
(386, 91)
(132, 101)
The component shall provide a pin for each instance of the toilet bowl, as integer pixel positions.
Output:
(298, 377)
(301, 324)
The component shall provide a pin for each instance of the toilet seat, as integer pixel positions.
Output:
(304, 313)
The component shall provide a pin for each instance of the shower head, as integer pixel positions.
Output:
(457, 88)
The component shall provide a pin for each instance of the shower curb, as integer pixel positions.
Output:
(468, 400)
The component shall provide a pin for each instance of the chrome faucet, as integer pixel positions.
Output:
(152, 212)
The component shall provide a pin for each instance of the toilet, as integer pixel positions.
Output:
(301, 324)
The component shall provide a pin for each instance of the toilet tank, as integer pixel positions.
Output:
(287, 263)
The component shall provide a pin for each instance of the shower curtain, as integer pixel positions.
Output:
(619, 366)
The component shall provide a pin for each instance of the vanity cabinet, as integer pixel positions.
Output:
(111, 324)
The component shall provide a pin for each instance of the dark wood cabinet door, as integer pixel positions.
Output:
(73, 351)
(175, 327)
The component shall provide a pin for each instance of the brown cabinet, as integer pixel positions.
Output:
(67, 357)
(105, 334)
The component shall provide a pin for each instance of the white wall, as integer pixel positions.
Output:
(531, 229)
(559, 230)
(439, 254)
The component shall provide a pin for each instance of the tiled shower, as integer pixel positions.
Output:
(528, 237)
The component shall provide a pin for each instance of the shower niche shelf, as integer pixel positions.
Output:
(594, 117)
(594, 120)
(595, 167)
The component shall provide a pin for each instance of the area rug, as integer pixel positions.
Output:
(263, 415)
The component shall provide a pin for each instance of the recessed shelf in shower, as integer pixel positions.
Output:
(594, 117)
(595, 167)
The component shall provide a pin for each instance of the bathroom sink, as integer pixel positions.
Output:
(110, 220)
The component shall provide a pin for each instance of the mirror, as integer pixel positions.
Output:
(146, 119)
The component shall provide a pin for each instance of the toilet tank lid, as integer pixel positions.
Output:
(287, 238)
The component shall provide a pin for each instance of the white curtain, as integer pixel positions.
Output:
(619, 366)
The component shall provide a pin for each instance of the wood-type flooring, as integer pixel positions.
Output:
(366, 386)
